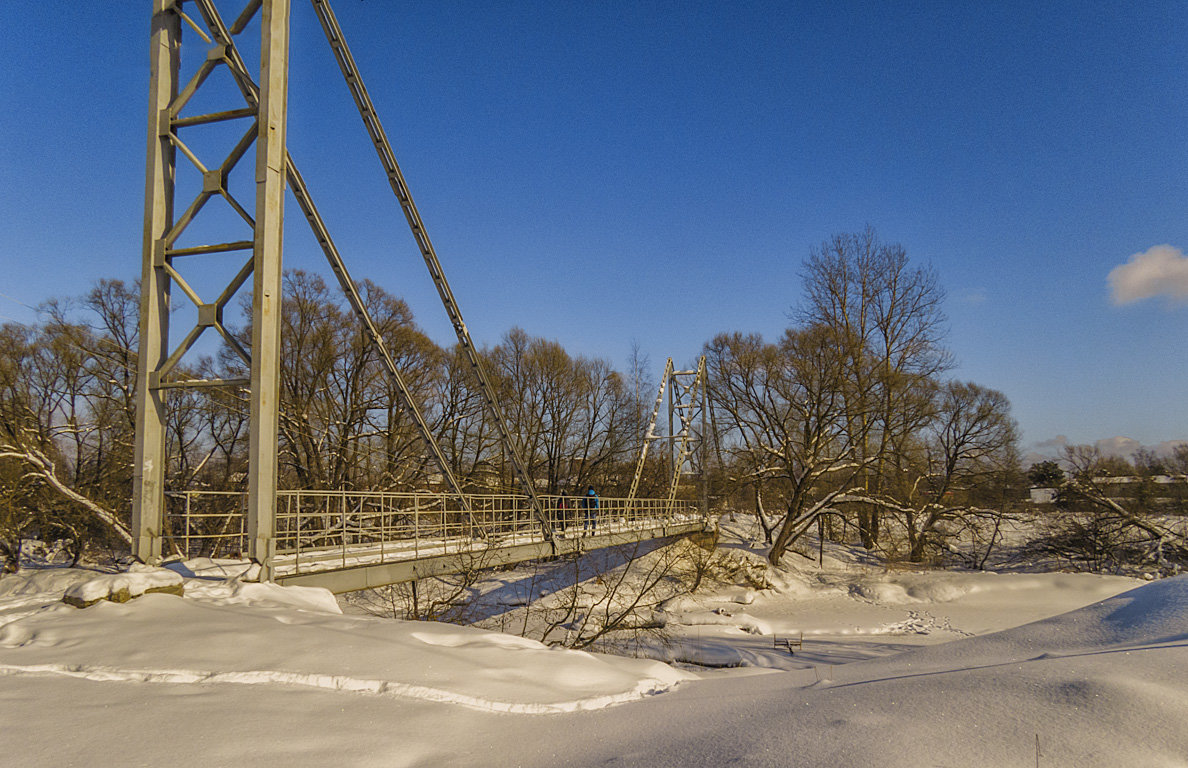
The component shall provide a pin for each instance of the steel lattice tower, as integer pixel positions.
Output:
(265, 106)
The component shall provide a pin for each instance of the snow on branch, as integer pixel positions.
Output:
(43, 469)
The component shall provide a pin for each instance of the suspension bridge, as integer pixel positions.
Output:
(350, 540)
(343, 540)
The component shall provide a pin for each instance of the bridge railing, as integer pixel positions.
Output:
(324, 529)
(337, 529)
(206, 523)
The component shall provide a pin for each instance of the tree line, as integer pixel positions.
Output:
(848, 424)
(67, 419)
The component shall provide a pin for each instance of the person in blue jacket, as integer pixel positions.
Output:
(590, 508)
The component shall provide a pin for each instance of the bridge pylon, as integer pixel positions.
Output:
(262, 107)
(688, 408)
(165, 262)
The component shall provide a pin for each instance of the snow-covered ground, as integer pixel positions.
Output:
(897, 668)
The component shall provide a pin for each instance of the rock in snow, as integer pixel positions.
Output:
(122, 587)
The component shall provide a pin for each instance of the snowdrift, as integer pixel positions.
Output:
(246, 633)
(1105, 685)
(236, 671)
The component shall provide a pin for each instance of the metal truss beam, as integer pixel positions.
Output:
(158, 368)
(650, 434)
(148, 470)
(271, 120)
(686, 402)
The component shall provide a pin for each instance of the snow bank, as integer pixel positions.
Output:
(233, 632)
(235, 670)
(1155, 614)
(38, 582)
(1105, 685)
(862, 613)
(264, 595)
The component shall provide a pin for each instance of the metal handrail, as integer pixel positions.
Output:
(320, 529)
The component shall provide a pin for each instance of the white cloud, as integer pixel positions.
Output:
(1122, 447)
(1055, 444)
(1160, 271)
(1168, 447)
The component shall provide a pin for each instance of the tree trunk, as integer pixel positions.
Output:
(787, 536)
(868, 526)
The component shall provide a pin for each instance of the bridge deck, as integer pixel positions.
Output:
(346, 540)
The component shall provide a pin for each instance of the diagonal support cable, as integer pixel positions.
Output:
(383, 148)
(321, 233)
(301, 193)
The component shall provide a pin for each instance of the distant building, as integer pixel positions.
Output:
(1043, 495)
(1171, 489)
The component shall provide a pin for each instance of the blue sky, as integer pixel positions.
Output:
(603, 173)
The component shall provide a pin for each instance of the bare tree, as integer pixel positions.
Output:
(970, 438)
(576, 418)
(786, 412)
(888, 326)
(341, 425)
(44, 406)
